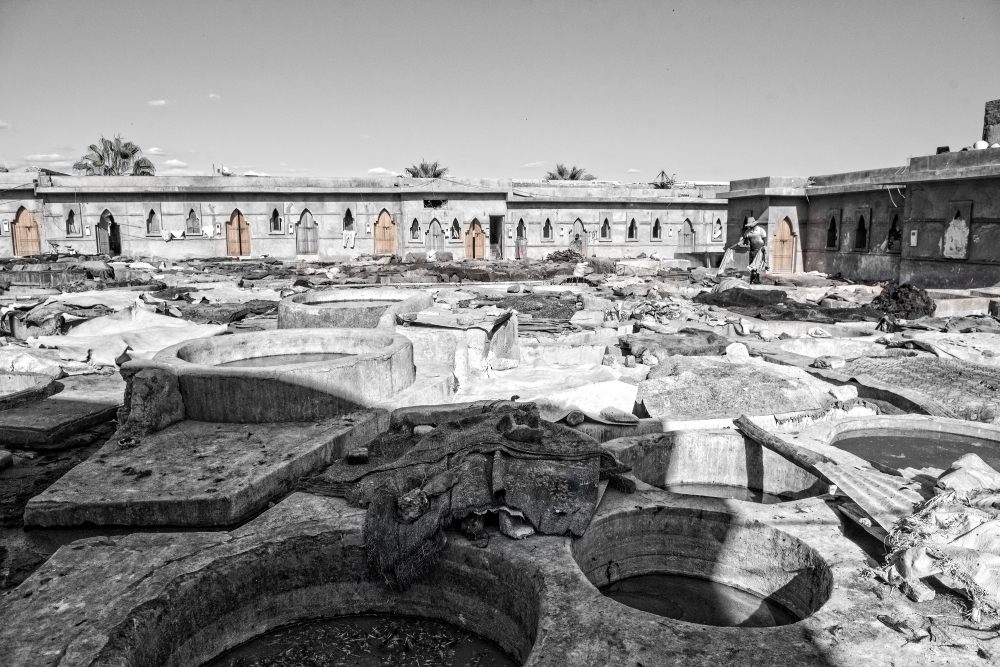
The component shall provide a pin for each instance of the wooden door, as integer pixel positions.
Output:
(475, 241)
(103, 236)
(436, 236)
(689, 240)
(306, 235)
(237, 236)
(24, 234)
(784, 249)
(385, 234)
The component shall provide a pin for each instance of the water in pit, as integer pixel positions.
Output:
(350, 303)
(367, 641)
(283, 360)
(918, 449)
(723, 491)
(697, 601)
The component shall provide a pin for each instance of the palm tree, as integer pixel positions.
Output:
(564, 173)
(114, 157)
(426, 170)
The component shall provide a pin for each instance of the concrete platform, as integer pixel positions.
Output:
(83, 401)
(197, 473)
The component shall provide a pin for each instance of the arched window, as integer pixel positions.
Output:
(606, 229)
(717, 230)
(831, 233)
(415, 230)
(152, 223)
(275, 221)
(657, 230)
(894, 240)
(861, 238)
(71, 223)
(547, 229)
(456, 229)
(348, 221)
(520, 229)
(633, 231)
(192, 225)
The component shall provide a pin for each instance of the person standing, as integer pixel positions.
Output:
(755, 236)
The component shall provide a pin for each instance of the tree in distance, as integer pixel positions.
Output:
(115, 157)
(426, 170)
(564, 173)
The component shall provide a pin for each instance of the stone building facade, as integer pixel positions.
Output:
(328, 219)
(933, 223)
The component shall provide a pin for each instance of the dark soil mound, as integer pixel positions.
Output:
(905, 301)
(686, 342)
(775, 305)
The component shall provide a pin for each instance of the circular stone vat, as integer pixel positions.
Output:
(706, 567)
(350, 308)
(17, 388)
(289, 374)
(718, 464)
(898, 442)
(367, 641)
(236, 595)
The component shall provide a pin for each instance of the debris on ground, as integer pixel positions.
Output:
(904, 301)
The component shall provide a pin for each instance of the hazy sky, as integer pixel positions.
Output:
(706, 90)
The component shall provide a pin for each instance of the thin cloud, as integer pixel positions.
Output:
(156, 103)
(157, 151)
(5, 126)
(53, 157)
(635, 171)
(175, 163)
(180, 172)
(382, 171)
(213, 96)
(532, 165)
(256, 173)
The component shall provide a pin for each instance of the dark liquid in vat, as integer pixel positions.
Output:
(697, 601)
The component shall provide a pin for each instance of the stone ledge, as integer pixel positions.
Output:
(239, 468)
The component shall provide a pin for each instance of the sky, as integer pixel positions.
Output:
(706, 90)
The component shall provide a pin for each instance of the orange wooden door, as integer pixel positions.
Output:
(436, 236)
(475, 241)
(689, 239)
(385, 234)
(25, 234)
(237, 236)
(784, 249)
(307, 235)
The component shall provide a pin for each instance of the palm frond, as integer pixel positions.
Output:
(114, 157)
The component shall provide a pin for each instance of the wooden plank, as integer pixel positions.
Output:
(800, 456)
(858, 516)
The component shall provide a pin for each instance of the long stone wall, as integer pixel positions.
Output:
(184, 218)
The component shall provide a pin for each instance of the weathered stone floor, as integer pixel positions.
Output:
(134, 552)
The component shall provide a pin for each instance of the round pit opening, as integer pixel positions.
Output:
(919, 443)
(370, 640)
(705, 567)
(351, 308)
(312, 583)
(718, 464)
